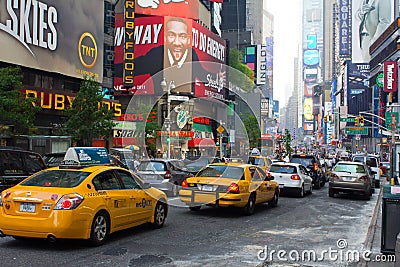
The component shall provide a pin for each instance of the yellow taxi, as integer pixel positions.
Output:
(261, 161)
(230, 184)
(83, 198)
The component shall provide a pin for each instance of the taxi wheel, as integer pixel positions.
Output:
(100, 229)
(274, 202)
(160, 213)
(250, 206)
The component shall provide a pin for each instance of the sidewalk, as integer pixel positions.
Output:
(373, 239)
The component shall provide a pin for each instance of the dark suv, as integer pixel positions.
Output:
(164, 174)
(17, 164)
(312, 165)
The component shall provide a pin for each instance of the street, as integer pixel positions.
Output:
(217, 237)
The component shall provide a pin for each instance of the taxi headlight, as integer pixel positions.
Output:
(69, 202)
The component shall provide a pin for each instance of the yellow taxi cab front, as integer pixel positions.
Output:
(80, 203)
(229, 184)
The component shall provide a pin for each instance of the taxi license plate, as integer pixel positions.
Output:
(27, 207)
(347, 178)
(208, 188)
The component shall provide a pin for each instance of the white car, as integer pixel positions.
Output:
(292, 178)
(373, 162)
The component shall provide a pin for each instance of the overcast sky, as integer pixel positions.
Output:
(286, 41)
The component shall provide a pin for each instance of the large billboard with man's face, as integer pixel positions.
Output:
(64, 37)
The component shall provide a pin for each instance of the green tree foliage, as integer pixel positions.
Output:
(87, 119)
(246, 81)
(287, 140)
(16, 110)
(253, 130)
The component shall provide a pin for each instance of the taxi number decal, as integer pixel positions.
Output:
(143, 204)
(95, 194)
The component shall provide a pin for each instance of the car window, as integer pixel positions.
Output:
(256, 161)
(57, 178)
(11, 163)
(349, 168)
(283, 169)
(307, 162)
(222, 172)
(358, 159)
(373, 162)
(106, 181)
(255, 175)
(128, 181)
(152, 166)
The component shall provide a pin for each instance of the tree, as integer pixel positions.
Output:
(253, 131)
(287, 140)
(16, 110)
(87, 118)
(246, 81)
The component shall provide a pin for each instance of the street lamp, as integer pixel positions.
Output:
(168, 118)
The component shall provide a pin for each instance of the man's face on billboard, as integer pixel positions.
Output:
(177, 38)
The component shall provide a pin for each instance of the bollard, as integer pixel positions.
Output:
(397, 252)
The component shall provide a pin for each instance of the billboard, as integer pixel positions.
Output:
(344, 28)
(250, 57)
(311, 57)
(270, 62)
(167, 47)
(175, 8)
(369, 20)
(311, 41)
(308, 109)
(64, 37)
(358, 78)
(308, 89)
(261, 72)
(310, 75)
(390, 76)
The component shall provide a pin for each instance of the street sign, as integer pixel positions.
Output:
(388, 119)
(178, 98)
(356, 130)
(347, 119)
(220, 129)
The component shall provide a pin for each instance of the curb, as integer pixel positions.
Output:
(367, 244)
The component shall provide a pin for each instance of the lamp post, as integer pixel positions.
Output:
(168, 118)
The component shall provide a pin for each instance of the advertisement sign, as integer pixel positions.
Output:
(358, 77)
(311, 41)
(261, 72)
(308, 89)
(270, 62)
(264, 106)
(369, 20)
(344, 28)
(308, 109)
(310, 75)
(308, 126)
(390, 76)
(63, 37)
(178, 8)
(129, 53)
(311, 57)
(167, 47)
(250, 56)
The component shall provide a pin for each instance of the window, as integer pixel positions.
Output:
(127, 180)
(256, 176)
(57, 178)
(106, 181)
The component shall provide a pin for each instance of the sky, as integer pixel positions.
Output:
(287, 34)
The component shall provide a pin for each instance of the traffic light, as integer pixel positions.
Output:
(361, 121)
(357, 121)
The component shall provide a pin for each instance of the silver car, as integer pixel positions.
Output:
(351, 177)
(292, 178)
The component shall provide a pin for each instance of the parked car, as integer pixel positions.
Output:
(87, 199)
(351, 177)
(164, 174)
(292, 178)
(230, 185)
(123, 154)
(311, 163)
(16, 164)
(373, 162)
(53, 159)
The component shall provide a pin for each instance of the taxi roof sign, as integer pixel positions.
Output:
(85, 156)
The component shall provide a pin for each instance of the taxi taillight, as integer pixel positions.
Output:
(233, 188)
(315, 166)
(69, 202)
(185, 184)
(295, 177)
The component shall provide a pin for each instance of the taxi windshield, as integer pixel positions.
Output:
(222, 172)
(57, 178)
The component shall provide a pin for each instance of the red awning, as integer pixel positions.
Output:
(201, 142)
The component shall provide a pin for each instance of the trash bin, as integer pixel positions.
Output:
(390, 218)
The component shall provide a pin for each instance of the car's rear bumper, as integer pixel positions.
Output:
(221, 199)
(350, 187)
(61, 224)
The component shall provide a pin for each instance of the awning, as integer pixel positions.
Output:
(201, 142)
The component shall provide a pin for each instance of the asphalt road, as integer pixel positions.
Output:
(217, 237)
